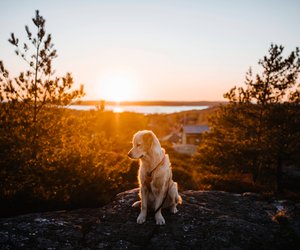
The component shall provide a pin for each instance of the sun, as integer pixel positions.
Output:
(118, 86)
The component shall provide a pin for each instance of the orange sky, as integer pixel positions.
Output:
(155, 50)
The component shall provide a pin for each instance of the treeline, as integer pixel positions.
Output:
(79, 159)
(258, 132)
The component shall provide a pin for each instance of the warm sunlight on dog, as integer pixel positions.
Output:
(157, 189)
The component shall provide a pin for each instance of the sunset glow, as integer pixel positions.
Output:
(118, 109)
(117, 86)
(155, 50)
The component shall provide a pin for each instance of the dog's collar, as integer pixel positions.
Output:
(149, 173)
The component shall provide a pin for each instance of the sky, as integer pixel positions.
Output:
(188, 50)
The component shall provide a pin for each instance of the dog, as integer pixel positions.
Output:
(157, 189)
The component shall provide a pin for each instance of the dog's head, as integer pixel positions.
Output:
(142, 144)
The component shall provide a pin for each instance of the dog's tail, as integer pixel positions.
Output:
(178, 199)
(136, 204)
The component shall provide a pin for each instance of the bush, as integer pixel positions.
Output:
(79, 166)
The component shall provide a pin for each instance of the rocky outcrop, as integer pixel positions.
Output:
(206, 220)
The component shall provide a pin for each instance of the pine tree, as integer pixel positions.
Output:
(259, 129)
(27, 99)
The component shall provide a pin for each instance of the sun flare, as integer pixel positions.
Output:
(118, 86)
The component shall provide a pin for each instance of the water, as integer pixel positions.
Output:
(141, 109)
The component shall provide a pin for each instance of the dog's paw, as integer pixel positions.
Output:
(141, 219)
(173, 210)
(160, 220)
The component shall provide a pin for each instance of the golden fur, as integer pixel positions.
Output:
(152, 157)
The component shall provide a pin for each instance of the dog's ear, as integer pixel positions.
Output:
(148, 139)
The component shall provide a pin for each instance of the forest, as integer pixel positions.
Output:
(52, 157)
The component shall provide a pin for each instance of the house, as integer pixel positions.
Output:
(189, 138)
(191, 134)
(185, 138)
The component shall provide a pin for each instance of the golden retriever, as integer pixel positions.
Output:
(157, 189)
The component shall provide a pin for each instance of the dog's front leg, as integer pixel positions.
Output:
(143, 214)
(158, 203)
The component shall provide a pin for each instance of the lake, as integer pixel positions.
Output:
(141, 109)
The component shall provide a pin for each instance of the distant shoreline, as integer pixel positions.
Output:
(153, 103)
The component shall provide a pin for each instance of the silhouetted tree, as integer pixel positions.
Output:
(31, 121)
(275, 84)
(52, 157)
(259, 128)
(26, 98)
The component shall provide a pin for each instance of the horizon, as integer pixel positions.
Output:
(136, 101)
(153, 50)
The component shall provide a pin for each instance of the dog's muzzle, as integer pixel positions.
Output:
(130, 155)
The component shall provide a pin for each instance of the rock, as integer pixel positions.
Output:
(206, 220)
